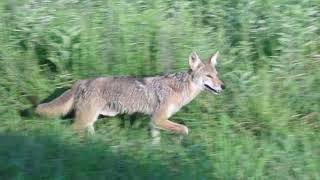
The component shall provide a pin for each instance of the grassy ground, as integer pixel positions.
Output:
(47, 149)
(266, 124)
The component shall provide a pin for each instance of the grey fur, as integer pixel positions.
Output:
(128, 94)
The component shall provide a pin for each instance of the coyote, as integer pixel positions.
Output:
(159, 96)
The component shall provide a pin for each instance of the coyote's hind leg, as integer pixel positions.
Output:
(85, 119)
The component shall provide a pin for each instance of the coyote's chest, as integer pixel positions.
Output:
(179, 100)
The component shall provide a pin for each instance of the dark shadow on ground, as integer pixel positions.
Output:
(50, 157)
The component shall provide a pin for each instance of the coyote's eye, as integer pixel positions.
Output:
(209, 76)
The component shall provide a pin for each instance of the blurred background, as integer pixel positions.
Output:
(266, 124)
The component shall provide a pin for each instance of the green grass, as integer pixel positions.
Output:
(266, 124)
(37, 148)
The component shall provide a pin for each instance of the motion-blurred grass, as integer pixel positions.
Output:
(266, 125)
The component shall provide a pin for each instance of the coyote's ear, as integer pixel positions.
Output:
(213, 59)
(194, 61)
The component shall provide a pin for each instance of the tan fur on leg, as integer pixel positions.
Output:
(85, 119)
(160, 121)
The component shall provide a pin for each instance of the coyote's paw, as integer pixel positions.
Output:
(184, 130)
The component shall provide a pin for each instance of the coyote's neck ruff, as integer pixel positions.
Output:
(160, 96)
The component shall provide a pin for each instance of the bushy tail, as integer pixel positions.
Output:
(59, 106)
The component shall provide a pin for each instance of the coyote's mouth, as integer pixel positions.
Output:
(211, 89)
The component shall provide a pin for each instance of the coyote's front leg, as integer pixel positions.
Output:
(160, 121)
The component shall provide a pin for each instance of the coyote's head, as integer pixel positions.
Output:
(205, 75)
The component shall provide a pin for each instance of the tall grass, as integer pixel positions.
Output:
(266, 125)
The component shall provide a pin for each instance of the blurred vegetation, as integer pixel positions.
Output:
(266, 125)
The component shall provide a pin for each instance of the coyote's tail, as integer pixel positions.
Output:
(59, 106)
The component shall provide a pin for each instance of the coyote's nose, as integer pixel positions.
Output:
(223, 86)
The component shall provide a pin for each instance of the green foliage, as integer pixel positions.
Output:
(264, 126)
